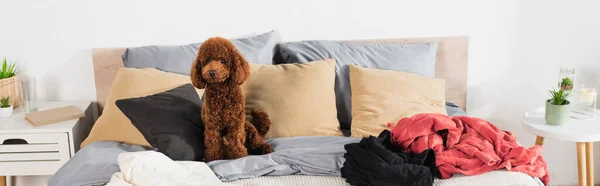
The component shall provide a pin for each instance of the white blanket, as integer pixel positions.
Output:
(150, 168)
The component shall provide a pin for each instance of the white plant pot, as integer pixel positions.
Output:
(6, 112)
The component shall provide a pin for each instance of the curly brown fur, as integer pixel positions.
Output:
(221, 69)
(261, 122)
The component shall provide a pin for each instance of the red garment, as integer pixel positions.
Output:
(470, 146)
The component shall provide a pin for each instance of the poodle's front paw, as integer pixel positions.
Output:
(212, 154)
(235, 151)
(265, 148)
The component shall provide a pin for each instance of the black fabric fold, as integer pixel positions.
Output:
(376, 161)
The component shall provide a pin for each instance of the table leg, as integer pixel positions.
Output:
(581, 163)
(2, 180)
(589, 158)
(539, 140)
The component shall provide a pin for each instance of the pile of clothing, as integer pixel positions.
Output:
(375, 161)
(424, 146)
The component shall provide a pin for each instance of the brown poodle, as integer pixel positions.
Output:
(221, 69)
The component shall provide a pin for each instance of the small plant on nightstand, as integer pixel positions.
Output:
(10, 85)
(566, 84)
(6, 109)
(558, 107)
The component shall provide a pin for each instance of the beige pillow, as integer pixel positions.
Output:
(113, 125)
(298, 98)
(382, 96)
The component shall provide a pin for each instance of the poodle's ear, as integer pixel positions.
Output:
(241, 69)
(196, 75)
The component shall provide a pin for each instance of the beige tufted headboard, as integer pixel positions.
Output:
(451, 64)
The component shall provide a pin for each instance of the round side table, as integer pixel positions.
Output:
(583, 132)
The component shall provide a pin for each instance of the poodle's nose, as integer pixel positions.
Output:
(212, 73)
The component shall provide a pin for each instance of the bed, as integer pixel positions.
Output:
(94, 164)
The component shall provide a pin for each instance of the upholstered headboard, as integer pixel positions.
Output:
(451, 64)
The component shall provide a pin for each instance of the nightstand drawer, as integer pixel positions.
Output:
(42, 152)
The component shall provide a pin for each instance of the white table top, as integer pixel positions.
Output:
(576, 130)
(17, 123)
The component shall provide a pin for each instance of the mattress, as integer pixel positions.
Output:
(494, 178)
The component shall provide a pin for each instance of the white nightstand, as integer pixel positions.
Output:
(583, 132)
(46, 148)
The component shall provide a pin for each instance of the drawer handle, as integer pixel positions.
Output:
(14, 141)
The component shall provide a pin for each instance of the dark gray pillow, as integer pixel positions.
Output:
(178, 59)
(170, 121)
(413, 58)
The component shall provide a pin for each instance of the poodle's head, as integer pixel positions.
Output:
(218, 61)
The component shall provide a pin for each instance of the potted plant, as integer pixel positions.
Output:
(557, 107)
(566, 84)
(9, 82)
(6, 109)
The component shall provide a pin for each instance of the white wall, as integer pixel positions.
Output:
(516, 47)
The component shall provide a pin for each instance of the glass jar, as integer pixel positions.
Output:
(566, 79)
(588, 97)
(29, 94)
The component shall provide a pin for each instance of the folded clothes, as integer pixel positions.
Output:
(467, 145)
(375, 161)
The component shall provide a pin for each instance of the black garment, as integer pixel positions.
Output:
(376, 161)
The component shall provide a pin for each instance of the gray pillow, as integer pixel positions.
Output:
(413, 58)
(178, 59)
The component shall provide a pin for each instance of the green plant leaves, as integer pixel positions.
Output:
(567, 81)
(5, 102)
(8, 70)
(559, 97)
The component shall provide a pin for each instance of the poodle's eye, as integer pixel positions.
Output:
(207, 60)
(222, 61)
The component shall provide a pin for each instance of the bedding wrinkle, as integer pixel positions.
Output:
(468, 145)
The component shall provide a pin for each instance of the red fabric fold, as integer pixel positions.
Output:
(468, 145)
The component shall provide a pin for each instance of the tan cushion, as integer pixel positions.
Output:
(298, 98)
(382, 96)
(113, 125)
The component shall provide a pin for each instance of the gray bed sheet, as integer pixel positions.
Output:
(94, 164)
(307, 155)
(310, 155)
